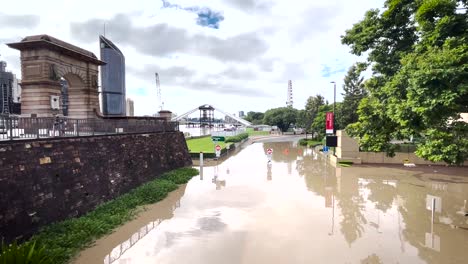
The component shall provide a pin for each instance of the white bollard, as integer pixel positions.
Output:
(201, 158)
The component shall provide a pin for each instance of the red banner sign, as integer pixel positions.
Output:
(329, 123)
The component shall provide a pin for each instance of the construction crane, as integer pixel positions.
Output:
(158, 91)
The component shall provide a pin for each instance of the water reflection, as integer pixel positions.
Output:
(118, 251)
(269, 174)
(388, 199)
(372, 259)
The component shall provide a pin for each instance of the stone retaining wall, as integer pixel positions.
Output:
(51, 180)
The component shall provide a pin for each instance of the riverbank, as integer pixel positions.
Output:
(65, 239)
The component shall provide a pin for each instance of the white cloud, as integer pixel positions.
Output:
(243, 65)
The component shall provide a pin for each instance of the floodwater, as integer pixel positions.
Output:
(299, 209)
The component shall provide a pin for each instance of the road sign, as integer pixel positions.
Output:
(269, 152)
(218, 138)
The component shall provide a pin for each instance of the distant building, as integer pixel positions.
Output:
(241, 114)
(130, 107)
(9, 90)
(229, 120)
(112, 79)
(16, 90)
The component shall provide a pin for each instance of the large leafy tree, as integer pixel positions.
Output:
(282, 117)
(419, 55)
(354, 91)
(307, 116)
(255, 118)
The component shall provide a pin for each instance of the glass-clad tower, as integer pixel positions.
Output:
(112, 79)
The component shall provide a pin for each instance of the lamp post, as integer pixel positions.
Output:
(334, 103)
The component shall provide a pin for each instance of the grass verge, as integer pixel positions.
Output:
(345, 163)
(204, 144)
(65, 239)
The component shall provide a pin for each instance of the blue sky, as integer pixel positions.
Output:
(235, 54)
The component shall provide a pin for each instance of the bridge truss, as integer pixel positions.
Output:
(238, 119)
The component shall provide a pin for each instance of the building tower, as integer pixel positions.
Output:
(112, 79)
(6, 89)
(289, 102)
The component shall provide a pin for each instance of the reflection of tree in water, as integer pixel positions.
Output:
(317, 174)
(351, 203)
(372, 259)
(381, 194)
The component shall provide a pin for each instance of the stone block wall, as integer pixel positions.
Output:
(348, 149)
(50, 180)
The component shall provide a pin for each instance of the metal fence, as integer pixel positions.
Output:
(229, 133)
(14, 128)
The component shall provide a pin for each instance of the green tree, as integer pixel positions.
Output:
(312, 107)
(419, 54)
(354, 91)
(256, 118)
(281, 117)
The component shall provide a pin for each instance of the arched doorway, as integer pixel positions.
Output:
(76, 95)
(64, 96)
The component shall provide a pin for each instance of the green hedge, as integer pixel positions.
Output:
(65, 239)
(237, 138)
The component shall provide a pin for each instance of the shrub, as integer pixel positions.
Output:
(237, 138)
(180, 176)
(26, 253)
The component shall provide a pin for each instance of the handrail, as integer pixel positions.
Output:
(16, 128)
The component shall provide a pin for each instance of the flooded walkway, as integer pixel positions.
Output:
(299, 209)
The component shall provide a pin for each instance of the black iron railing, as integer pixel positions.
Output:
(12, 128)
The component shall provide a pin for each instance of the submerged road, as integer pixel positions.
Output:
(298, 209)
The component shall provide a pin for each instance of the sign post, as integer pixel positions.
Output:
(218, 150)
(269, 152)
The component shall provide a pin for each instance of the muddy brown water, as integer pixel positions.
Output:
(299, 209)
